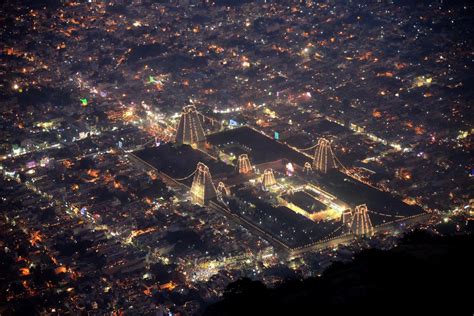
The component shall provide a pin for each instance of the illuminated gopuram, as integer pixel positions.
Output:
(202, 189)
(346, 217)
(244, 164)
(361, 224)
(222, 190)
(324, 158)
(189, 129)
(290, 191)
(307, 168)
(268, 178)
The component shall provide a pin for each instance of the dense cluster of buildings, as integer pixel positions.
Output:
(151, 153)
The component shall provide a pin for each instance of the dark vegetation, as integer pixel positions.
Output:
(424, 272)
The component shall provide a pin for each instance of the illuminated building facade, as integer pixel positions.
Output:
(189, 129)
(361, 224)
(324, 158)
(268, 178)
(346, 217)
(244, 164)
(222, 190)
(202, 189)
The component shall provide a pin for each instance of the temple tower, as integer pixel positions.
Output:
(202, 189)
(361, 224)
(190, 129)
(268, 178)
(244, 164)
(324, 158)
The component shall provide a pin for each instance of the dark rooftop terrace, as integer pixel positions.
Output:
(354, 193)
(262, 148)
(178, 161)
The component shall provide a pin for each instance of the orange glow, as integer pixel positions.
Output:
(147, 291)
(399, 66)
(67, 163)
(35, 237)
(419, 130)
(11, 51)
(61, 269)
(216, 48)
(325, 215)
(93, 173)
(129, 114)
(152, 175)
(117, 185)
(74, 21)
(323, 43)
(405, 174)
(53, 259)
(168, 286)
(262, 123)
(24, 271)
(410, 201)
(138, 232)
(385, 74)
(376, 113)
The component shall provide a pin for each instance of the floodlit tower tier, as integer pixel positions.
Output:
(190, 129)
(361, 224)
(324, 158)
(346, 217)
(222, 190)
(307, 168)
(202, 189)
(268, 178)
(244, 164)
